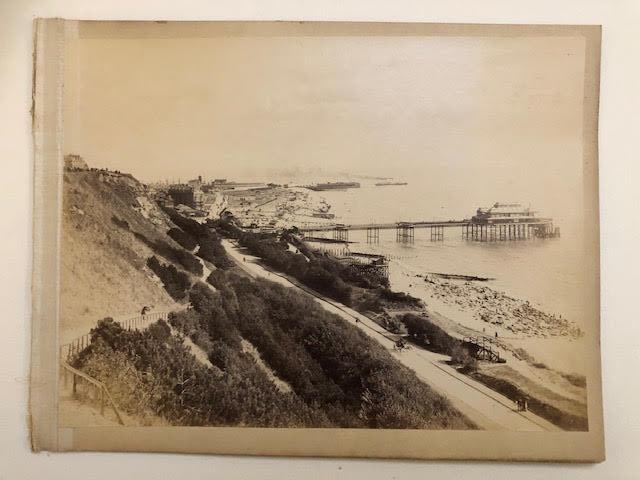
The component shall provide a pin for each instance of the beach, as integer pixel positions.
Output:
(462, 309)
(532, 296)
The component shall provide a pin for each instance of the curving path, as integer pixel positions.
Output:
(485, 407)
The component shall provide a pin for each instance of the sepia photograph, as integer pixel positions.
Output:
(319, 230)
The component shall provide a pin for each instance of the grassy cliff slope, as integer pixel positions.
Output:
(103, 264)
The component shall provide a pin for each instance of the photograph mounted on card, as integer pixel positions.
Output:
(317, 239)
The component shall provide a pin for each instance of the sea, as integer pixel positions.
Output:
(546, 272)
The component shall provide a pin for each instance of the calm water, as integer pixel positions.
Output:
(545, 272)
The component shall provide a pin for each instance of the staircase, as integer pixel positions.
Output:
(481, 348)
(83, 400)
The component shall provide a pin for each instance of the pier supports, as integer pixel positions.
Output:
(502, 234)
(437, 233)
(546, 230)
(373, 234)
(405, 232)
(340, 232)
(493, 232)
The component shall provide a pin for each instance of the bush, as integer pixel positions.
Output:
(181, 257)
(212, 251)
(323, 281)
(192, 233)
(212, 308)
(183, 239)
(339, 376)
(320, 274)
(128, 390)
(225, 227)
(367, 302)
(148, 371)
(462, 357)
(188, 225)
(175, 282)
(270, 314)
(399, 297)
(429, 335)
(393, 325)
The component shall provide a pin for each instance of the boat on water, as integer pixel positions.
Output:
(384, 184)
(323, 215)
(319, 187)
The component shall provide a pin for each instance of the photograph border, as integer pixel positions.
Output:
(48, 133)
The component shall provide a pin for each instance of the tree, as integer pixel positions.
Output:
(461, 356)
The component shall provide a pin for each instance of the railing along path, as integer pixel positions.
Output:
(139, 322)
(69, 350)
(80, 378)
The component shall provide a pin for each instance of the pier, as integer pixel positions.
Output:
(405, 232)
(340, 232)
(500, 222)
(470, 230)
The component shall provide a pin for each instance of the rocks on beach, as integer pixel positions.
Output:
(496, 308)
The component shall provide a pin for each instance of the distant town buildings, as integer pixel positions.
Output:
(196, 183)
(182, 194)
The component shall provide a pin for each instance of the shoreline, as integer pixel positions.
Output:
(278, 207)
(465, 393)
(473, 307)
(461, 316)
(558, 399)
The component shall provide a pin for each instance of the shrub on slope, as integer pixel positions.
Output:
(173, 385)
(176, 255)
(191, 232)
(175, 282)
(183, 239)
(324, 359)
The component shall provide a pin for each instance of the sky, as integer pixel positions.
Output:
(477, 114)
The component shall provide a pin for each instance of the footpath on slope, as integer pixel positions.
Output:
(486, 408)
(74, 411)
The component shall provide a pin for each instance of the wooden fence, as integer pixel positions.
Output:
(100, 392)
(139, 322)
(92, 387)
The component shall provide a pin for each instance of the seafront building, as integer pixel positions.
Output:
(75, 162)
(504, 213)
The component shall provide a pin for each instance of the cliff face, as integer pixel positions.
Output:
(103, 264)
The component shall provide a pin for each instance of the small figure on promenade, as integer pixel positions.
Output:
(496, 334)
(400, 345)
(522, 404)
